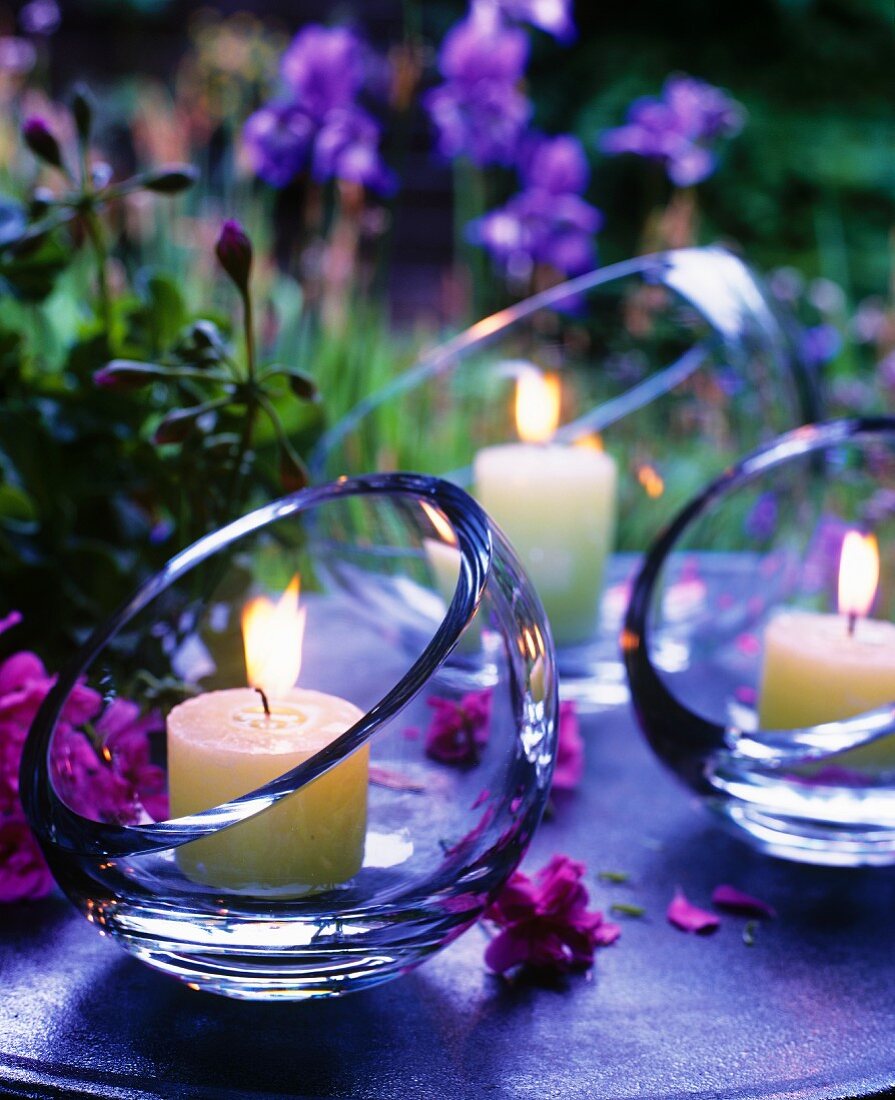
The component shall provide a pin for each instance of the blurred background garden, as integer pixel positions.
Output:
(401, 170)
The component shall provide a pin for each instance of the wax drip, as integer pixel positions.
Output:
(264, 702)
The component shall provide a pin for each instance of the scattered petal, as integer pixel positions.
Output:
(734, 900)
(690, 918)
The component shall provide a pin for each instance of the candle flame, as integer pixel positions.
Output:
(272, 634)
(858, 573)
(537, 406)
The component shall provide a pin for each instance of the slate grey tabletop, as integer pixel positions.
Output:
(806, 1013)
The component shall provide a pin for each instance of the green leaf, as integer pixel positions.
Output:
(30, 273)
(16, 506)
(164, 309)
(300, 382)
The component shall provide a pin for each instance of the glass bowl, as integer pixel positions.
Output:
(672, 365)
(368, 817)
(760, 654)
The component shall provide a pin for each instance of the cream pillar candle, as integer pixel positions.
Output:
(823, 668)
(556, 504)
(226, 743)
(222, 745)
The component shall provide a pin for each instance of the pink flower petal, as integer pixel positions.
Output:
(10, 620)
(729, 897)
(690, 918)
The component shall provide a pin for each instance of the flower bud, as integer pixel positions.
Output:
(82, 109)
(234, 252)
(41, 141)
(170, 180)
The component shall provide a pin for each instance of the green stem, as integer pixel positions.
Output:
(97, 239)
(249, 327)
(234, 487)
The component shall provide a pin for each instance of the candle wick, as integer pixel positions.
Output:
(264, 702)
(852, 623)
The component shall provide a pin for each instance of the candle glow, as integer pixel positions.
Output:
(538, 399)
(858, 574)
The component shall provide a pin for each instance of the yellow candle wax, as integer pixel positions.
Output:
(556, 505)
(815, 671)
(222, 745)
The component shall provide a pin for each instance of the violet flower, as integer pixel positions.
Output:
(317, 123)
(23, 871)
(478, 111)
(324, 69)
(544, 922)
(459, 731)
(552, 16)
(278, 140)
(40, 17)
(678, 128)
(547, 222)
(347, 148)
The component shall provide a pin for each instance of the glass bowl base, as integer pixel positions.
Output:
(824, 843)
(276, 960)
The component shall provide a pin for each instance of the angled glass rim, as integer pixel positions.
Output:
(48, 814)
(716, 282)
(684, 738)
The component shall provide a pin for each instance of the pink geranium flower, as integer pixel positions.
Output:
(23, 871)
(459, 731)
(104, 774)
(570, 749)
(544, 922)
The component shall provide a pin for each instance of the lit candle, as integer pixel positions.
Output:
(823, 668)
(226, 743)
(556, 504)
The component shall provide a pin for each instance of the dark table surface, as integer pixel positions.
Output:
(808, 1011)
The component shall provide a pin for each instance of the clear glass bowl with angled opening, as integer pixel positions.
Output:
(367, 819)
(672, 365)
(768, 691)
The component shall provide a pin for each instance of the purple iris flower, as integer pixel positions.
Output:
(478, 110)
(317, 124)
(677, 128)
(278, 140)
(347, 148)
(548, 222)
(552, 16)
(324, 69)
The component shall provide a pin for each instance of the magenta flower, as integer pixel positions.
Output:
(478, 111)
(459, 731)
(678, 128)
(570, 750)
(23, 870)
(544, 922)
(105, 776)
(688, 917)
(317, 123)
